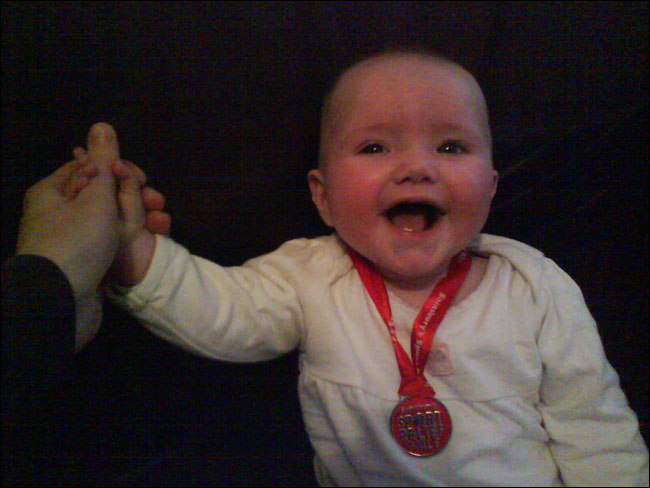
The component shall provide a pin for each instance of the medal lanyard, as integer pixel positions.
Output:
(413, 383)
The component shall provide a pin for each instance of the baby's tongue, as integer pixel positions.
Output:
(411, 220)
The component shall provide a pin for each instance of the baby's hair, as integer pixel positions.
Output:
(397, 51)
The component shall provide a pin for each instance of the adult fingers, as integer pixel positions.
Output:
(64, 172)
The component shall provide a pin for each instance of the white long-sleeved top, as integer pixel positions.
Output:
(532, 398)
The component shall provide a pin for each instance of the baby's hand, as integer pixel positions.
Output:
(133, 198)
(140, 211)
(128, 175)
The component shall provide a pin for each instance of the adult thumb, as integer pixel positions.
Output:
(103, 147)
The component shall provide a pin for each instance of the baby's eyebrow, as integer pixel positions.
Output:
(447, 127)
(439, 126)
(453, 129)
(381, 127)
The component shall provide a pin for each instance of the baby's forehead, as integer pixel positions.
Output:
(405, 77)
(403, 71)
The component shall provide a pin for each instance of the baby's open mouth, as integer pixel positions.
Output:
(413, 216)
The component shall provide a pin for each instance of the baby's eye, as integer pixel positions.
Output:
(372, 148)
(452, 147)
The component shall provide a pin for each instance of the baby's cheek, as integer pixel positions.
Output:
(349, 197)
(475, 189)
(471, 208)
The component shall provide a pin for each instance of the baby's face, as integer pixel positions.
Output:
(407, 176)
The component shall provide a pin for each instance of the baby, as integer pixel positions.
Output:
(430, 354)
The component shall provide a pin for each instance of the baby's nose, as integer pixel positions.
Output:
(418, 169)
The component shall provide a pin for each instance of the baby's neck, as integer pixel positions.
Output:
(417, 295)
(415, 298)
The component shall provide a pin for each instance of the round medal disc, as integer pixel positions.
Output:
(421, 426)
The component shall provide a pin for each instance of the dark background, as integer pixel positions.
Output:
(218, 103)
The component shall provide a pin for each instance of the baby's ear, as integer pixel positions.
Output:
(495, 182)
(318, 194)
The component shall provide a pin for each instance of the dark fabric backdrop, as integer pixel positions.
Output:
(218, 103)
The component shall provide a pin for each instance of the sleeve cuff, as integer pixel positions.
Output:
(136, 297)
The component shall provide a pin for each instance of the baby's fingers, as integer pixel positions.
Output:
(129, 183)
(80, 154)
(159, 222)
(75, 177)
(132, 212)
(152, 199)
(74, 185)
(135, 171)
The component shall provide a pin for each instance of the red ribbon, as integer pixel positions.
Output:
(413, 383)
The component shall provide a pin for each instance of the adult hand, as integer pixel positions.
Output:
(132, 193)
(141, 215)
(79, 235)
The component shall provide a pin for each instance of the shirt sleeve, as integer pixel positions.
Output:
(595, 437)
(38, 333)
(244, 313)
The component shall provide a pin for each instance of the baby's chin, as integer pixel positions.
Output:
(396, 264)
(412, 277)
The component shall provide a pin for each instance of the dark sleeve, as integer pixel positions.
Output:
(38, 328)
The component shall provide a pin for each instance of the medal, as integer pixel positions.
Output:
(420, 424)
